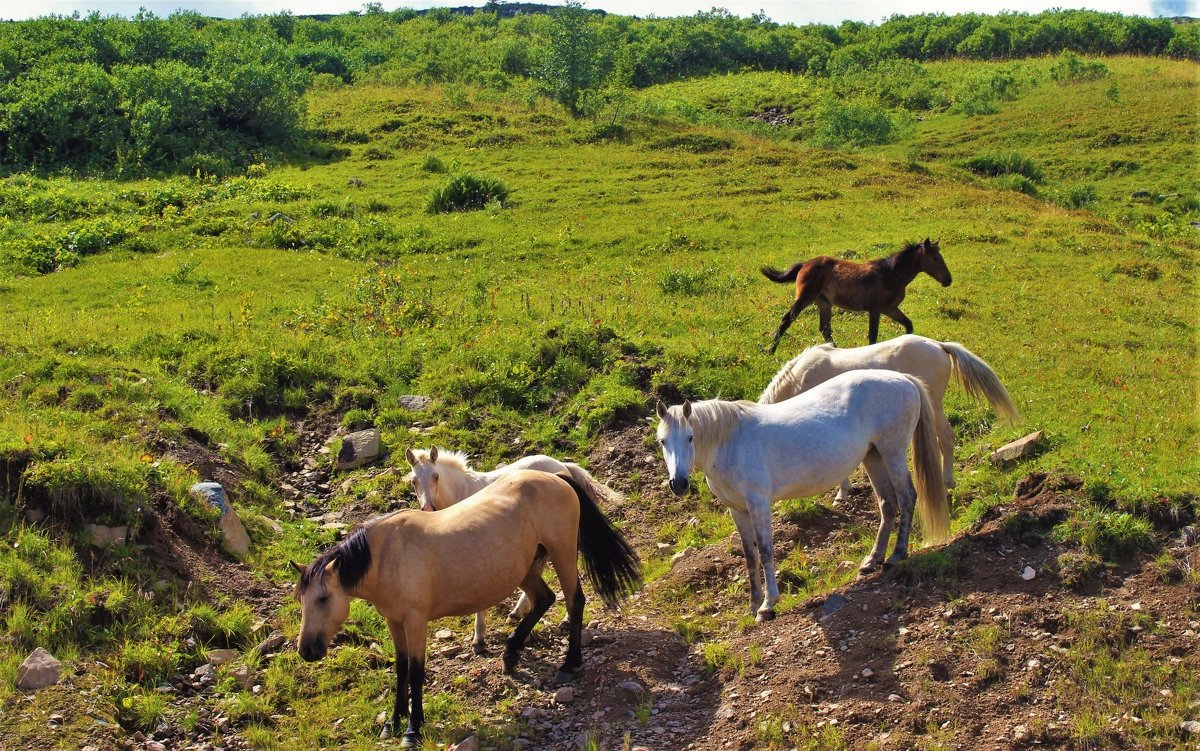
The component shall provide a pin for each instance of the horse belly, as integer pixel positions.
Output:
(475, 585)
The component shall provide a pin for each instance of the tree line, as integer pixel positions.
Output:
(191, 93)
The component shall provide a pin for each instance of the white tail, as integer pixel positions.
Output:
(979, 380)
(597, 489)
(927, 472)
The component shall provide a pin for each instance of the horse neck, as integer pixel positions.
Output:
(468, 482)
(906, 265)
(713, 424)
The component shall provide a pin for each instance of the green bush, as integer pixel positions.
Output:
(1076, 196)
(694, 143)
(856, 123)
(1112, 535)
(1070, 68)
(467, 193)
(1012, 163)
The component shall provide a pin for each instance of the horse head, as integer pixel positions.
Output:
(324, 607)
(675, 437)
(425, 476)
(932, 262)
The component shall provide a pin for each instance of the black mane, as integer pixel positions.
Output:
(891, 261)
(353, 557)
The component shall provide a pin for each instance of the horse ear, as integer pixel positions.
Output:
(926, 243)
(661, 409)
(299, 569)
(412, 458)
(433, 455)
(687, 409)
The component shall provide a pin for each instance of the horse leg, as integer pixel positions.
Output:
(825, 310)
(523, 604)
(745, 529)
(573, 594)
(906, 499)
(946, 440)
(873, 326)
(900, 318)
(760, 513)
(885, 494)
(541, 598)
(478, 643)
(843, 491)
(400, 712)
(414, 636)
(805, 295)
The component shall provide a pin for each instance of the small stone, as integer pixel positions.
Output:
(444, 634)
(682, 555)
(895, 698)
(1190, 726)
(867, 674)
(271, 644)
(414, 402)
(204, 673)
(470, 743)
(102, 536)
(1021, 733)
(564, 695)
(359, 448)
(244, 676)
(633, 687)
(1018, 449)
(1028, 573)
(1136, 606)
(39, 670)
(221, 656)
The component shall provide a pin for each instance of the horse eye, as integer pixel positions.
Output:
(689, 439)
(322, 599)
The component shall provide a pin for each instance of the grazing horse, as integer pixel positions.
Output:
(416, 567)
(874, 286)
(443, 478)
(933, 362)
(753, 454)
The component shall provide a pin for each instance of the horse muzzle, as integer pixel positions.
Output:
(948, 280)
(679, 485)
(311, 651)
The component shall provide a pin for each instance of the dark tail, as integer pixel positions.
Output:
(782, 276)
(612, 565)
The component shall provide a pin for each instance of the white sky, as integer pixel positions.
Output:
(783, 11)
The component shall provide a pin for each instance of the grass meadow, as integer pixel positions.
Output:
(621, 268)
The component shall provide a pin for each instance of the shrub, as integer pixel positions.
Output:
(694, 143)
(1112, 535)
(1019, 183)
(856, 123)
(467, 193)
(431, 163)
(686, 282)
(1012, 163)
(1077, 570)
(1076, 196)
(1070, 68)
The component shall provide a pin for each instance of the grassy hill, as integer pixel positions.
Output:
(243, 320)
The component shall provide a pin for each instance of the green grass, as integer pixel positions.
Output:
(621, 271)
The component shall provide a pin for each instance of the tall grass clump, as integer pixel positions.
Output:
(1112, 535)
(857, 123)
(1012, 163)
(467, 193)
(1070, 68)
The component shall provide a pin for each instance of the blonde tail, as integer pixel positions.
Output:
(979, 380)
(927, 466)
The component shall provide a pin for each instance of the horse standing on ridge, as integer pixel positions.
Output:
(874, 286)
(933, 362)
(415, 567)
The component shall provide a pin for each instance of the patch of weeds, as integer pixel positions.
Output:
(1076, 196)
(687, 282)
(1012, 163)
(183, 275)
(1019, 184)
(431, 163)
(693, 143)
(719, 657)
(799, 510)
(1137, 270)
(941, 565)
(467, 193)
(1112, 535)
(1070, 68)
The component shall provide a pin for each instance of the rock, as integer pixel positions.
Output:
(39, 670)
(1021, 734)
(102, 536)
(1189, 536)
(867, 674)
(832, 604)
(244, 676)
(358, 449)
(470, 743)
(634, 688)
(279, 216)
(444, 634)
(895, 698)
(218, 657)
(414, 402)
(34, 515)
(234, 539)
(564, 695)
(1190, 726)
(682, 555)
(271, 644)
(1018, 449)
(204, 673)
(1028, 573)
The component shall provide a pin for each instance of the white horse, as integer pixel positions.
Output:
(443, 478)
(753, 454)
(933, 362)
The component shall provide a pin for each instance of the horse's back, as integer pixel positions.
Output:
(912, 354)
(856, 398)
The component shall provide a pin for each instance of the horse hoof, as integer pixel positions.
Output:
(479, 647)
(510, 663)
(765, 615)
(412, 739)
(386, 733)
(563, 676)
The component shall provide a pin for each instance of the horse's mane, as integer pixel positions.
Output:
(353, 556)
(891, 261)
(716, 419)
(786, 379)
(456, 459)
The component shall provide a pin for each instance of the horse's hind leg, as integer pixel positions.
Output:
(760, 513)
(745, 529)
(523, 604)
(478, 642)
(541, 598)
(906, 499)
(566, 567)
(805, 296)
(872, 326)
(885, 494)
(946, 443)
(415, 629)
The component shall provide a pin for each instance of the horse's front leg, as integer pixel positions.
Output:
(400, 711)
(415, 628)
(899, 317)
(745, 529)
(843, 493)
(478, 642)
(872, 326)
(760, 514)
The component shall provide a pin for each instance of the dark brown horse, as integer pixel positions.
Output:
(874, 286)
